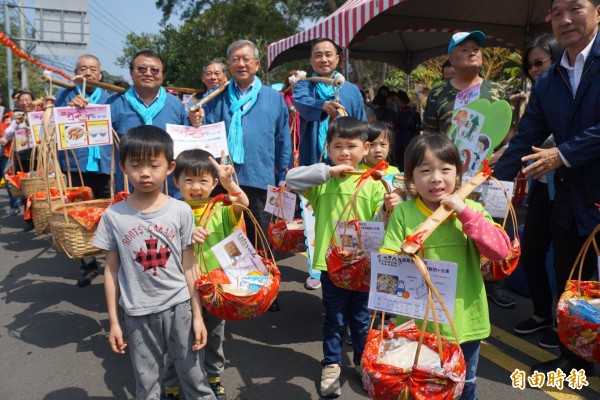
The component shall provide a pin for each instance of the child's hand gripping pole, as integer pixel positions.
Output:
(413, 243)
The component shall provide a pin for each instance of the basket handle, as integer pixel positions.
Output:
(580, 259)
(510, 209)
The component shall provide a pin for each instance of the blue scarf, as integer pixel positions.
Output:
(324, 92)
(93, 161)
(235, 135)
(147, 113)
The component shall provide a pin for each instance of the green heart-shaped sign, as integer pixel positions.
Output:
(477, 128)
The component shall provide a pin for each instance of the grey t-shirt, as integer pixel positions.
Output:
(149, 244)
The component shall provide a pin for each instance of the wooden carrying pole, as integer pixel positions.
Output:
(211, 96)
(57, 82)
(99, 84)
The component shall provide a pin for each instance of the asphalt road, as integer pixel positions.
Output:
(53, 337)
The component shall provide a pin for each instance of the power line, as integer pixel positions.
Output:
(115, 18)
(102, 45)
(111, 21)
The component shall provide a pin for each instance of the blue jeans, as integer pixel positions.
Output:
(14, 203)
(471, 353)
(343, 306)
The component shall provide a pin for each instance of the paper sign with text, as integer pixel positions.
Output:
(211, 138)
(281, 205)
(308, 218)
(371, 235)
(23, 139)
(467, 96)
(36, 125)
(398, 287)
(83, 127)
(492, 197)
(237, 257)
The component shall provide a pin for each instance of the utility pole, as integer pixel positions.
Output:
(23, 45)
(9, 70)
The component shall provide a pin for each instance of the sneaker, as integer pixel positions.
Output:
(501, 298)
(87, 273)
(549, 340)
(330, 381)
(13, 211)
(531, 325)
(217, 388)
(347, 336)
(312, 283)
(275, 306)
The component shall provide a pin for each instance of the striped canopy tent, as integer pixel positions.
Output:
(405, 33)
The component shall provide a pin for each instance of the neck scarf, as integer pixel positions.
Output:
(324, 92)
(147, 113)
(235, 134)
(93, 161)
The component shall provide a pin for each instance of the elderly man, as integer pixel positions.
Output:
(146, 102)
(464, 53)
(316, 103)
(213, 74)
(258, 134)
(94, 162)
(564, 102)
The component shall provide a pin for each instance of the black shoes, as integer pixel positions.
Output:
(550, 340)
(531, 325)
(88, 272)
(275, 306)
(217, 388)
(564, 364)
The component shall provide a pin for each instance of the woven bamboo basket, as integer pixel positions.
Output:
(69, 235)
(41, 212)
(16, 191)
(31, 186)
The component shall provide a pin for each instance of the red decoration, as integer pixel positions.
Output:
(15, 49)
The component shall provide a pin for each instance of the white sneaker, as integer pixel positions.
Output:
(330, 381)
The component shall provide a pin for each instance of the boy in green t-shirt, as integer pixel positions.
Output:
(329, 188)
(196, 174)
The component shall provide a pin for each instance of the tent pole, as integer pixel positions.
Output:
(347, 63)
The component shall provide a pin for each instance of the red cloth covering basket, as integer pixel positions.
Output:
(387, 382)
(348, 269)
(498, 270)
(229, 306)
(281, 237)
(287, 240)
(580, 336)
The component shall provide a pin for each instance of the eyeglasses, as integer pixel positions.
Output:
(537, 63)
(142, 69)
(238, 60)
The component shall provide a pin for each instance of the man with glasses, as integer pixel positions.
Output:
(145, 103)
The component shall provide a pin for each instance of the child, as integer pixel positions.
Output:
(329, 189)
(196, 174)
(432, 174)
(380, 140)
(153, 306)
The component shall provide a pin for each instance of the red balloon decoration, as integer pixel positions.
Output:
(15, 49)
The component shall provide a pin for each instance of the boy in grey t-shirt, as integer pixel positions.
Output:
(149, 271)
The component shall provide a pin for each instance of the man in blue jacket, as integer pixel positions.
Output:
(564, 102)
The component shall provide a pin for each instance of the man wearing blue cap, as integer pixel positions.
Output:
(464, 53)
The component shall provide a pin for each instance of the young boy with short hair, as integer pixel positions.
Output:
(153, 306)
(328, 189)
(196, 174)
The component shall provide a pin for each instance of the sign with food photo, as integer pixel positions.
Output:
(83, 127)
(36, 125)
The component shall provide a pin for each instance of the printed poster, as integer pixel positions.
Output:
(401, 289)
(491, 196)
(371, 235)
(211, 138)
(238, 258)
(36, 125)
(284, 208)
(83, 127)
(23, 139)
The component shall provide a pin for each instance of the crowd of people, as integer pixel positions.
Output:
(176, 346)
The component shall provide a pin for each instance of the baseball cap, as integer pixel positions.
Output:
(460, 37)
